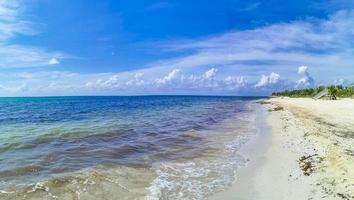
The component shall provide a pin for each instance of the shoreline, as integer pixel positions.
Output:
(263, 141)
(306, 158)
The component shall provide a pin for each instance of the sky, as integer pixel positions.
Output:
(152, 47)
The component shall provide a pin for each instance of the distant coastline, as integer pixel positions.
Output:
(333, 90)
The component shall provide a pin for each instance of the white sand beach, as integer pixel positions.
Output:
(310, 154)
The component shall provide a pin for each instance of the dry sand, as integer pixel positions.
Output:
(310, 154)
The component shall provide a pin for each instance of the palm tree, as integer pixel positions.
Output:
(333, 91)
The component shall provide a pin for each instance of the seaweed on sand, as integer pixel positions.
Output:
(277, 108)
(264, 102)
(306, 164)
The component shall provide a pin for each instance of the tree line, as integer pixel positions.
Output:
(333, 90)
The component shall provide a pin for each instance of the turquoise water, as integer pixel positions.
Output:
(119, 147)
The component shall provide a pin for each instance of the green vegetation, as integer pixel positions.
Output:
(334, 91)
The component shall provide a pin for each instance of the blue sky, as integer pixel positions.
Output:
(225, 47)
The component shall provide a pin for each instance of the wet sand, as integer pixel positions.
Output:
(309, 155)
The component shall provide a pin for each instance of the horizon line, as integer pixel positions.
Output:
(46, 96)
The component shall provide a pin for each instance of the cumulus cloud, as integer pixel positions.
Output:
(316, 42)
(208, 78)
(175, 79)
(207, 82)
(306, 79)
(170, 77)
(271, 79)
(108, 83)
(239, 55)
(235, 82)
(53, 61)
(210, 74)
(302, 70)
(137, 81)
(341, 81)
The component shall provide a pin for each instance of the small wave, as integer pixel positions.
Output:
(7, 147)
(193, 180)
(198, 178)
(205, 175)
(6, 192)
(91, 184)
(177, 146)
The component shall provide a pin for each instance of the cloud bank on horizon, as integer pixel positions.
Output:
(255, 60)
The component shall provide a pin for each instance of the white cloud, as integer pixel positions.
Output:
(203, 81)
(271, 79)
(110, 83)
(211, 73)
(68, 83)
(53, 61)
(235, 82)
(17, 55)
(238, 80)
(137, 81)
(170, 77)
(306, 80)
(250, 7)
(302, 70)
(341, 81)
(47, 82)
(325, 45)
(11, 22)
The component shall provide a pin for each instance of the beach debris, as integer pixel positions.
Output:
(321, 94)
(344, 196)
(277, 108)
(306, 164)
(264, 102)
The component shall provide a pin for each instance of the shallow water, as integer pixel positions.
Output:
(151, 147)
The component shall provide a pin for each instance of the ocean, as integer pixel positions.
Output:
(138, 147)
